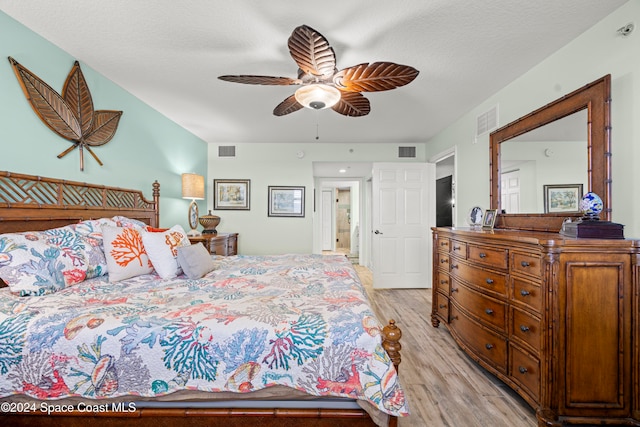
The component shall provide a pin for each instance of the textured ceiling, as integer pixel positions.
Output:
(169, 53)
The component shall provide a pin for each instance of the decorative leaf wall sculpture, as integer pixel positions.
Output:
(71, 115)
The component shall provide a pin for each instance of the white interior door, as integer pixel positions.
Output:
(510, 189)
(403, 210)
(327, 220)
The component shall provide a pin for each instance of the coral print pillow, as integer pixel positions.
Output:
(38, 263)
(162, 248)
(125, 253)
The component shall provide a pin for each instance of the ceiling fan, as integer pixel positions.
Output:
(322, 85)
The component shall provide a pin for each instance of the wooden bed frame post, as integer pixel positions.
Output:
(156, 201)
(391, 335)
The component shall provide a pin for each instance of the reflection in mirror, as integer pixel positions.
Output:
(594, 101)
(554, 154)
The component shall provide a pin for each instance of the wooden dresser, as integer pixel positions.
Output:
(556, 319)
(225, 244)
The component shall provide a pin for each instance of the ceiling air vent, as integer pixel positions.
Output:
(227, 151)
(487, 121)
(406, 151)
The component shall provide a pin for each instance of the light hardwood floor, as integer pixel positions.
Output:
(444, 386)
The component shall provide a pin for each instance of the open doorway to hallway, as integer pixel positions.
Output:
(445, 188)
(340, 210)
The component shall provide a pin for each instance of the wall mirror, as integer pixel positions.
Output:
(565, 144)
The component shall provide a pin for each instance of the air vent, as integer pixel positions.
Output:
(487, 121)
(227, 151)
(406, 151)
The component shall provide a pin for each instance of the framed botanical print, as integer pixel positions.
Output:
(232, 194)
(286, 201)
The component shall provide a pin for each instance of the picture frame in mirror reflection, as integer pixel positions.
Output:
(562, 198)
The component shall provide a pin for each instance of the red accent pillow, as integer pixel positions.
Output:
(155, 230)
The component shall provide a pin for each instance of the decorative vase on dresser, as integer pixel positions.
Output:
(555, 318)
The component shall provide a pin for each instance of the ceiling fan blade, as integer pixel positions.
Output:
(287, 106)
(261, 80)
(312, 52)
(374, 77)
(352, 104)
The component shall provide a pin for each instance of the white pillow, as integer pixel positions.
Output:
(125, 253)
(195, 260)
(162, 248)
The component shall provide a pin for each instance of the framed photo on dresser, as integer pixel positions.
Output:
(489, 218)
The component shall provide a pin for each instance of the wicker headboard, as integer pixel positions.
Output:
(30, 203)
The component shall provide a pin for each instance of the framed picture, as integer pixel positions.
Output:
(489, 218)
(231, 194)
(562, 198)
(286, 201)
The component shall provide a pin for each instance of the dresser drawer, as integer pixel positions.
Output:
(526, 263)
(526, 293)
(459, 249)
(487, 309)
(489, 346)
(443, 244)
(478, 276)
(443, 261)
(492, 257)
(443, 282)
(442, 306)
(524, 369)
(525, 328)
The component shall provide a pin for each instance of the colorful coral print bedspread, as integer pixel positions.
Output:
(302, 321)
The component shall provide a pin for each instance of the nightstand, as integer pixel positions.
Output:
(225, 244)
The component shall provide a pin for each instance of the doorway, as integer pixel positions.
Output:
(445, 187)
(444, 201)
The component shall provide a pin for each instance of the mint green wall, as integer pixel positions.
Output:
(146, 147)
(595, 53)
(277, 164)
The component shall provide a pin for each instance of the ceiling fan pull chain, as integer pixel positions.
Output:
(317, 125)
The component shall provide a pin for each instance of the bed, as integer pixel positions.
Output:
(269, 340)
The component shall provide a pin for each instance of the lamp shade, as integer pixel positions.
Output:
(317, 96)
(192, 186)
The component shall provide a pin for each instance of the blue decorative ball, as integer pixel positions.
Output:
(591, 204)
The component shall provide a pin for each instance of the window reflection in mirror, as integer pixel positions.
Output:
(554, 154)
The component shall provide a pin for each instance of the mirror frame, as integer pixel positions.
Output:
(596, 99)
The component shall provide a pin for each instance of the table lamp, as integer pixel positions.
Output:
(193, 188)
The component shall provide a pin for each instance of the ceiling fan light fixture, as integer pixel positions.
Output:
(317, 96)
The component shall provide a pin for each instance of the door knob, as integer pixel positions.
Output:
(378, 232)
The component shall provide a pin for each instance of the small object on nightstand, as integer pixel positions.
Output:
(209, 222)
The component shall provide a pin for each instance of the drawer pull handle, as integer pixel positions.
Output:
(524, 264)
(454, 290)
(454, 266)
(524, 293)
(524, 328)
(488, 346)
(522, 369)
(442, 306)
(444, 244)
(456, 248)
(489, 311)
(482, 255)
(443, 282)
(444, 261)
(489, 281)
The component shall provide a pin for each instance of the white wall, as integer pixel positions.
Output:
(278, 164)
(597, 52)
